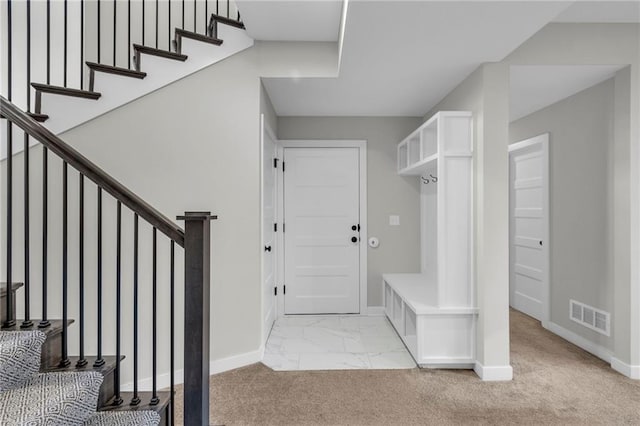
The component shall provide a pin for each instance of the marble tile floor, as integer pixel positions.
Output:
(335, 343)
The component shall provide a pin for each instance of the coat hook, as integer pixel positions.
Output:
(424, 180)
(433, 178)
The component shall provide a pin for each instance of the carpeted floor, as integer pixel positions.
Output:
(555, 383)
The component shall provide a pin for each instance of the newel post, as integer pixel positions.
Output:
(197, 275)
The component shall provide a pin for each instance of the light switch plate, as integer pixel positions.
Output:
(394, 220)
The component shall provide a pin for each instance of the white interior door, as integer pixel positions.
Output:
(528, 165)
(269, 218)
(321, 235)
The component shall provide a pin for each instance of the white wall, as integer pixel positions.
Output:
(581, 150)
(387, 192)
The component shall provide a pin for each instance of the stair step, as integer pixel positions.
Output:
(121, 418)
(180, 33)
(14, 287)
(159, 52)
(107, 390)
(227, 21)
(66, 91)
(52, 348)
(162, 407)
(41, 118)
(116, 70)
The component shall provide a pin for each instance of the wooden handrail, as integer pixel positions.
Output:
(91, 171)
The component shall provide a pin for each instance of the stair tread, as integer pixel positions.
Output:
(116, 70)
(140, 418)
(41, 118)
(228, 21)
(66, 91)
(145, 397)
(14, 287)
(54, 328)
(199, 37)
(109, 365)
(159, 52)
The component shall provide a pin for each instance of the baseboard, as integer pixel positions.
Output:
(375, 311)
(586, 344)
(496, 373)
(215, 367)
(631, 371)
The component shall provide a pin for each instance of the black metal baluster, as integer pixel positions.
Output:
(44, 322)
(154, 397)
(65, 313)
(117, 399)
(99, 361)
(64, 74)
(81, 44)
(183, 14)
(98, 32)
(206, 14)
(135, 400)
(81, 361)
(169, 26)
(27, 287)
(157, 10)
(9, 321)
(48, 43)
(115, 33)
(129, 34)
(172, 327)
(195, 8)
(227, 8)
(143, 19)
(217, 7)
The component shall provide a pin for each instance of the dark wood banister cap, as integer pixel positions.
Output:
(197, 216)
(91, 171)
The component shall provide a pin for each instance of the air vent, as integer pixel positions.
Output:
(590, 317)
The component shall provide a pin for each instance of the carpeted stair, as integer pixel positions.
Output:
(56, 398)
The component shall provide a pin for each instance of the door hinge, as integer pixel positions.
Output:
(284, 289)
(275, 163)
(282, 226)
(275, 227)
(283, 166)
(275, 291)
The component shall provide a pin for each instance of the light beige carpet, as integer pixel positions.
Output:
(555, 383)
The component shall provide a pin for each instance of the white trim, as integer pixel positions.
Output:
(496, 373)
(543, 141)
(593, 348)
(375, 311)
(215, 367)
(631, 371)
(362, 149)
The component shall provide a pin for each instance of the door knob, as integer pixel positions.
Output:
(354, 227)
(267, 248)
(354, 239)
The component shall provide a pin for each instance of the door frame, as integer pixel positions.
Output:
(265, 128)
(362, 155)
(541, 140)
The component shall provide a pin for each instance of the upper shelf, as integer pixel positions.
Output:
(446, 133)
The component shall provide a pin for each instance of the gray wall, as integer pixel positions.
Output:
(192, 145)
(581, 141)
(387, 192)
(266, 108)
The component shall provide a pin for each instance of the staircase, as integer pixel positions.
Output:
(28, 372)
(102, 350)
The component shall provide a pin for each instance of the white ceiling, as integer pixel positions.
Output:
(535, 87)
(300, 20)
(401, 58)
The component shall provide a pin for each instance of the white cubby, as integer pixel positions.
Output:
(434, 312)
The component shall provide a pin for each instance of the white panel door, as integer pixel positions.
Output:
(269, 219)
(528, 218)
(322, 242)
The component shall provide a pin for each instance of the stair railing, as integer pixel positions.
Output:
(63, 37)
(195, 239)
